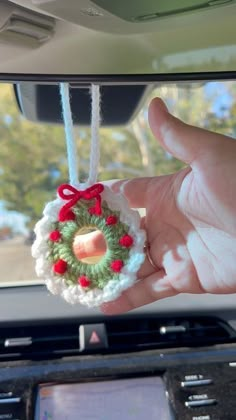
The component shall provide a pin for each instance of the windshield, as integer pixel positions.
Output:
(33, 160)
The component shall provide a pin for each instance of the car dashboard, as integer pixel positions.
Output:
(174, 359)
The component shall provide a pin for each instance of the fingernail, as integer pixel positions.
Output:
(158, 102)
(119, 186)
(123, 185)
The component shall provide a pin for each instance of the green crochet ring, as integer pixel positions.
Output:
(96, 207)
(61, 241)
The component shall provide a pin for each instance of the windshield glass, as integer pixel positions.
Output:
(33, 160)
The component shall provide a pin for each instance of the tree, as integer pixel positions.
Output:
(33, 156)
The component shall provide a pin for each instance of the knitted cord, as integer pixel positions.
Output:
(70, 140)
(95, 144)
(69, 131)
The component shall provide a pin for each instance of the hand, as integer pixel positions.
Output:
(190, 216)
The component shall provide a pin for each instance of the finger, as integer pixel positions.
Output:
(151, 264)
(94, 244)
(89, 245)
(154, 287)
(183, 141)
(139, 190)
(135, 190)
(146, 269)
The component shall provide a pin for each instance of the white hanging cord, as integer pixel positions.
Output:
(95, 140)
(69, 131)
(70, 141)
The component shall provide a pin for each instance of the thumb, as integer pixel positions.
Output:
(183, 141)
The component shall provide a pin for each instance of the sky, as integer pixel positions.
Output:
(222, 98)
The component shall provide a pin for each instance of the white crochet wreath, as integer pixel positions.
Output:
(114, 287)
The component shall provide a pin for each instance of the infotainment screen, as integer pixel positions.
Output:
(126, 399)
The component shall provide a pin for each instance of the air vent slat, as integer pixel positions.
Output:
(123, 334)
(133, 335)
(129, 333)
(55, 338)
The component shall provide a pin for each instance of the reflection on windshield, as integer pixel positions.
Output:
(33, 162)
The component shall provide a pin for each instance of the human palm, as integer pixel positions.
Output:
(190, 216)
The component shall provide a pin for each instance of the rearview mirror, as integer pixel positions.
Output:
(42, 103)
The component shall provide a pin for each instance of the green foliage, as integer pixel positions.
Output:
(33, 156)
(29, 155)
(101, 272)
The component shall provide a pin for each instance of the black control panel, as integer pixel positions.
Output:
(203, 392)
(196, 391)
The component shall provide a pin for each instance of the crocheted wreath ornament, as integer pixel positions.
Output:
(99, 208)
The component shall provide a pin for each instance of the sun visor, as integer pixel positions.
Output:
(119, 104)
(133, 16)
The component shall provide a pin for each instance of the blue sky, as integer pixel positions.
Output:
(220, 95)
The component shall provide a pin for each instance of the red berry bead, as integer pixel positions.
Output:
(111, 220)
(84, 281)
(66, 216)
(117, 265)
(126, 241)
(95, 211)
(60, 267)
(55, 236)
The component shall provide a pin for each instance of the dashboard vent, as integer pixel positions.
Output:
(150, 333)
(39, 341)
(123, 334)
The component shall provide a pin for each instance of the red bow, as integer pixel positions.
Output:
(75, 195)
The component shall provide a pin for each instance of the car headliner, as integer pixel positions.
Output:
(202, 41)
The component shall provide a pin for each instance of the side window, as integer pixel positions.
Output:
(33, 162)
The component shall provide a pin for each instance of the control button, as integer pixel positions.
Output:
(207, 417)
(198, 397)
(11, 409)
(92, 337)
(193, 377)
(172, 329)
(200, 403)
(18, 342)
(198, 382)
(6, 394)
(10, 400)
